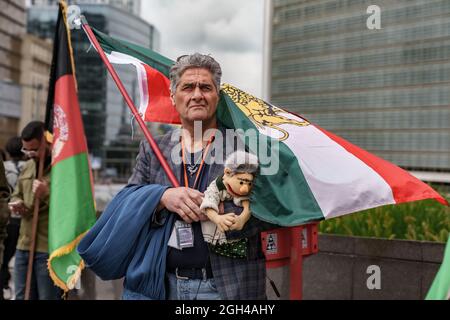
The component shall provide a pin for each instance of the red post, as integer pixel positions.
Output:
(295, 265)
(286, 247)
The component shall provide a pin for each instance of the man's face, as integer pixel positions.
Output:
(196, 96)
(31, 149)
(239, 184)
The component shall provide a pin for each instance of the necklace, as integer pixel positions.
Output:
(191, 165)
(199, 169)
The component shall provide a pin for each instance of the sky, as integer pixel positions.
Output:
(230, 30)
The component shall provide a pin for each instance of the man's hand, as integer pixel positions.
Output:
(224, 221)
(17, 207)
(40, 189)
(185, 202)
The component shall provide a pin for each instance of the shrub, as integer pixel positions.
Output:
(425, 220)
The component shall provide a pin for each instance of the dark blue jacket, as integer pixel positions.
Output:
(123, 244)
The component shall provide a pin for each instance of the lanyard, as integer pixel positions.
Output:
(186, 181)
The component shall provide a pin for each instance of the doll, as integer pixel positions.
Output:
(234, 185)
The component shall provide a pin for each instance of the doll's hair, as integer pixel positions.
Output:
(242, 162)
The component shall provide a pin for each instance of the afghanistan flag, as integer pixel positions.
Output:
(319, 176)
(72, 210)
(440, 289)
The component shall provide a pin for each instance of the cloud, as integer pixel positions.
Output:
(231, 31)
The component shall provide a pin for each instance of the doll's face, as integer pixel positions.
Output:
(239, 184)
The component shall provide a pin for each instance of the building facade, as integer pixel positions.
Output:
(106, 118)
(10, 110)
(12, 28)
(34, 78)
(385, 90)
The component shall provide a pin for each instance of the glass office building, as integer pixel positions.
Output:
(386, 90)
(106, 117)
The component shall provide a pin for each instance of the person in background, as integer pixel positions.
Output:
(22, 202)
(4, 212)
(13, 167)
(3, 155)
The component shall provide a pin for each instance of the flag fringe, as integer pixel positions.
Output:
(64, 250)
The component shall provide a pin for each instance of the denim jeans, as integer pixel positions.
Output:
(131, 295)
(180, 289)
(42, 287)
(10, 249)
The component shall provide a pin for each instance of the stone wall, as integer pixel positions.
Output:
(339, 270)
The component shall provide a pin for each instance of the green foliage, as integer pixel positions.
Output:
(425, 220)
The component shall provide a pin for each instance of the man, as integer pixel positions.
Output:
(195, 272)
(4, 213)
(22, 202)
(13, 167)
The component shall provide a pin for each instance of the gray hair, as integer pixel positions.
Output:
(242, 162)
(196, 60)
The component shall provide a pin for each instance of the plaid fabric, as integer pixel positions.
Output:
(239, 279)
(235, 278)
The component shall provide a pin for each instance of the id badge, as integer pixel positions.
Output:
(185, 234)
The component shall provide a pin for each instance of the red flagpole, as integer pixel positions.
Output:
(130, 103)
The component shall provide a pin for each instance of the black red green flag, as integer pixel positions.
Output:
(72, 210)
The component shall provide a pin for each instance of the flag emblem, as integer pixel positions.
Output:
(61, 131)
(262, 114)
